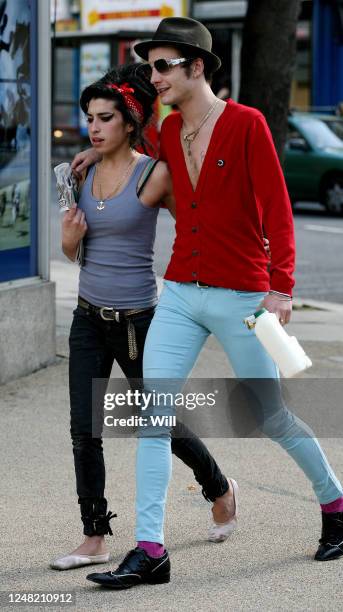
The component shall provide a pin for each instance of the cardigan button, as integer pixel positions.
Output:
(194, 253)
(194, 274)
(194, 229)
(194, 205)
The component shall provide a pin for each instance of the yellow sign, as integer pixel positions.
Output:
(137, 15)
(164, 11)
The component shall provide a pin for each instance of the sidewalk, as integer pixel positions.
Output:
(267, 565)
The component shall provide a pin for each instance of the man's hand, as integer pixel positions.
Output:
(74, 227)
(280, 306)
(83, 160)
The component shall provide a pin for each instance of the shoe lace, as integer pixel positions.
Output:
(127, 558)
(104, 522)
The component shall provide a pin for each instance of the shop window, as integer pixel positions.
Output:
(17, 211)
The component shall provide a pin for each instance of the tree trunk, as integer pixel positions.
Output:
(268, 61)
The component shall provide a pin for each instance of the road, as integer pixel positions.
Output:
(319, 239)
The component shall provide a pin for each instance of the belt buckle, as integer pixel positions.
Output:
(115, 314)
(202, 285)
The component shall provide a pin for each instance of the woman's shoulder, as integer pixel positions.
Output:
(160, 180)
(155, 182)
(159, 168)
(154, 167)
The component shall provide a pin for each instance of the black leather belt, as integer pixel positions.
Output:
(203, 285)
(111, 314)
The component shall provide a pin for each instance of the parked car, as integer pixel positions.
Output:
(334, 123)
(313, 163)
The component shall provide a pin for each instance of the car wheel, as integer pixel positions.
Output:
(333, 194)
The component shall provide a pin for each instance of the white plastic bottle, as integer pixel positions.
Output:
(285, 350)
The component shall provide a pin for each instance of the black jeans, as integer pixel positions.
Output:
(94, 345)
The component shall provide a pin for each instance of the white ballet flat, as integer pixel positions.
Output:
(73, 561)
(219, 532)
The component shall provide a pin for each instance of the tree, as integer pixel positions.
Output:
(268, 61)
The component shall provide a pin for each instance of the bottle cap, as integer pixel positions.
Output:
(250, 321)
(259, 312)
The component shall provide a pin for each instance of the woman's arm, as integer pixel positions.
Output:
(74, 227)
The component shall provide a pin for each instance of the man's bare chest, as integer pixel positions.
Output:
(195, 154)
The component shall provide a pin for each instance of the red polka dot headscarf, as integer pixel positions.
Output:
(127, 92)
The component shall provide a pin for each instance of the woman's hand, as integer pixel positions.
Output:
(83, 160)
(74, 227)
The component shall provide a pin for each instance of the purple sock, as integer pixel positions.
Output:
(152, 548)
(335, 506)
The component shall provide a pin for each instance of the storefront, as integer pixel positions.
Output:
(86, 43)
(26, 296)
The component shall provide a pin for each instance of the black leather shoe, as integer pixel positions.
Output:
(331, 542)
(137, 568)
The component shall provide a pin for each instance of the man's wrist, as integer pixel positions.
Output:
(282, 296)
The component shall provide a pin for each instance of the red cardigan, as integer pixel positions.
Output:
(240, 196)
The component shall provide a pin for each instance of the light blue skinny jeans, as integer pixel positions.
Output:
(186, 315)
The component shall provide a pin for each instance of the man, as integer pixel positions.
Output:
(228, 185)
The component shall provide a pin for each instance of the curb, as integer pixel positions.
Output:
(308, 304)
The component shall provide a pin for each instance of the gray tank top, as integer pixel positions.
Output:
(118, 261)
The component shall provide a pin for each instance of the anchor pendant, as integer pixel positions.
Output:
(100, 205)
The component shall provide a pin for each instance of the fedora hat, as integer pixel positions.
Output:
(183, 32)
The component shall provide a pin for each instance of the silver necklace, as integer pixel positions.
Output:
(101, 202)
(189, 138)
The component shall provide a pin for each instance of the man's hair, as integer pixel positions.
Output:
(186, 52)
(144, 92)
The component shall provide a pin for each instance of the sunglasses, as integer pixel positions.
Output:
(163, 66)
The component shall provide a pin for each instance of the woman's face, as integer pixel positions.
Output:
(106, 127)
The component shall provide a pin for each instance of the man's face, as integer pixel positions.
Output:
(174, 86)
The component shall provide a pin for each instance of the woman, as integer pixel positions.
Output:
(116, 217)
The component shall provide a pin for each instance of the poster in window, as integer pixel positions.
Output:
(95, 61)
(15, 111)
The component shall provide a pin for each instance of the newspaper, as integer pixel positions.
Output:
(68, 195)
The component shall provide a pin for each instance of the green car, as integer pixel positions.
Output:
(313, 163)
